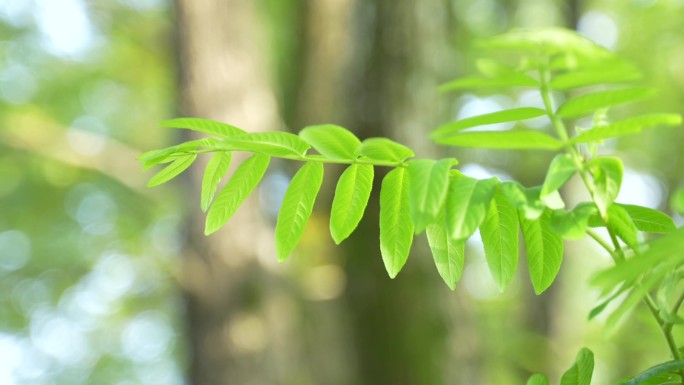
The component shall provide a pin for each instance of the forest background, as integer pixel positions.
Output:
(103, 281)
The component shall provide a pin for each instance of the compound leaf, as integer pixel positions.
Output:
(628, 126)
(448, 253)
(581, 371)
(384, 150)
(513, 139)
(544, 250)
(609, 71)
(499, 233)
(429, 185)
(331, 141)
(180, 164)
(275, 143)
(351, 197)
(216, 168)
(467, 204)
(649, 220)
(573, 224)
(512, 115)
(396, 227)
(237, 189)
(655, 371)
(296, 208)
(169, 154)
(562, 168)
(607, 173)
(588, 103)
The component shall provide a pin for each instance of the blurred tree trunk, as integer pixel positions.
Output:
(238, 325)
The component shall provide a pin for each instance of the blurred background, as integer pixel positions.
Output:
(103, 281)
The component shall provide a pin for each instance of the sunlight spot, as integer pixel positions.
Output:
(65, 27)
(59, 337)
(271, 192)
(641, 189)
(31, 294)
(16, 13)
(144, 5)
(15, 250)
(147, 337)
(600, 28)
(97, 213)
(323, 283)
(17, 84)
(477, 171)
(247, 333)
(87, 135)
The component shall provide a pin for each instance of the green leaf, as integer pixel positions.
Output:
(296, 208)
(654, 371)
(662, 257)
(607, 173)
(677, 200)
(514, 139)
(499, 233)
(207, 126)
(467, 204)
(627, 127)
(217, 167)
(396, 228)
(237, 189)
(351, 197)
(562, 168)
(588, 103)
(573, 224)
(526, 200)
(537, 379)
(275, 143)
(581, 372)
(449, 254)
(482, 82)
(621, 225)
(384, 150)
(612, 71)
(331, 141)
(170, 154)
(544, 251)
(171, 171)
(429, 185)
(512, 115)
(649, 220)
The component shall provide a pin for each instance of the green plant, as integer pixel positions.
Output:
(429, 195)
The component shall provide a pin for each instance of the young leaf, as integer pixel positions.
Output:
(384, 150)
(562, 168)
(237, 189)
(170, 154)
(207, 126)
(526, 200)
(512, 115)
(429, 184)
(544, 251)
(296, 208)
(449, 254)
(581, 372)
(538, 379)
(180, 164)
(467, 204)
(607, 173)
(481, 82)
(573, 224)
(628, 126)
(273, 143)
(588, 103)
(514, 139)
(649, 220)
(621, 224)
(499, 233)
(351, 197)
(396, 228)
(655, 371)
(217, 167)
(331, 141)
